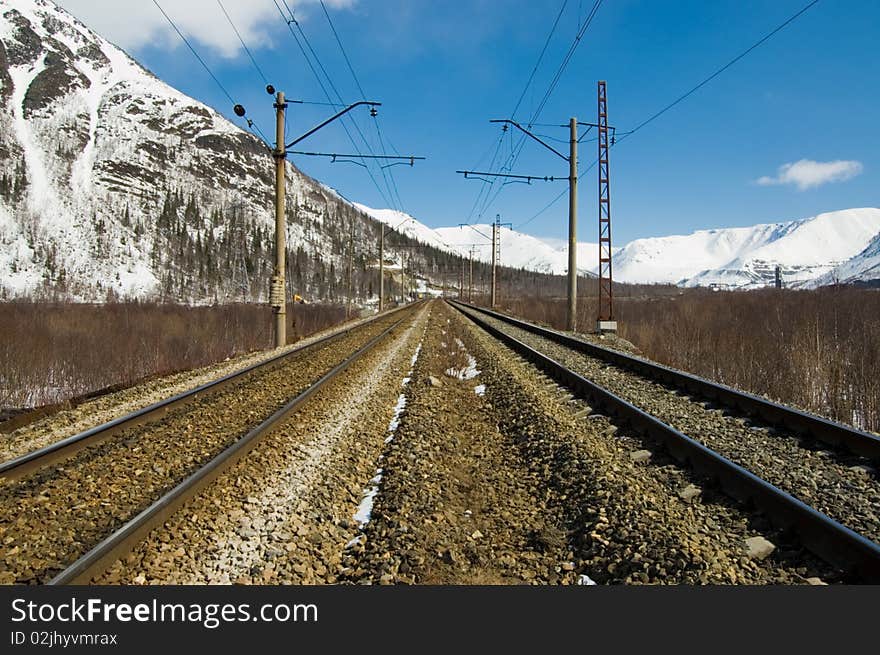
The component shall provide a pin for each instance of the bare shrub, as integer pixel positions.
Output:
(50, 352)
(455, 359)
(818, 350)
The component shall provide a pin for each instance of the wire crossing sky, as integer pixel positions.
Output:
(746, 111)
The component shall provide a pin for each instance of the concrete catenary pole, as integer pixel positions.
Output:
(471, 278)
(278, 293)
(350, 264)
(572, 225)
(461, 278)
(381, 268)
(494, 260)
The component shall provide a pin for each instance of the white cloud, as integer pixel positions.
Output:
(132, 25)
(806, 174)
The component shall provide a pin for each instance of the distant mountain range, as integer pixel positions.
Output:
(114, 184)
(863, 268)
(518, 250)
(841, 246)
(746, 257)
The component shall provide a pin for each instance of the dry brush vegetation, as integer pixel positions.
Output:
(51, 352)
(818, 350)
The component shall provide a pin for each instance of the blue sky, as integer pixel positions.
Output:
(442, 70)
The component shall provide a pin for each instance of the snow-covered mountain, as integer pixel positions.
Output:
(746, 257)
(518, 250)
(521, 250)
(863, 268)
(406, 224)
(807, 251)
(114, 184)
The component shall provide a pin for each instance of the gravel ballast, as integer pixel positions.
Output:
(837, 484)
(500, 477)
(52, 516)
(455, 503)
(439, 457)
(283, 514)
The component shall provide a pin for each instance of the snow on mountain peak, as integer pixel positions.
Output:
(864, 267)
(746, 257)
(113, 182)
(518, 250)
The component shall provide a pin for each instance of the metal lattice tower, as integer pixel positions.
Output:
(606, 297)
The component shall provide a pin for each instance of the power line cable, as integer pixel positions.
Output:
(557, 76)
(515, 154)
(396, 191)
(720, 70)
(302, 50)
(393, 184)
(565, 61)
(624, 135)
(196, 54)
(243, 44)
(540, 58)
(390, 174)
(555, 200)
(487, 185)
(254, 128)
(311, 66)
(483, 185)
(342, 49)
(353, 122)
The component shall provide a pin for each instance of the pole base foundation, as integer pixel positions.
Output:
(606, 326)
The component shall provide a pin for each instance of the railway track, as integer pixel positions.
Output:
(71, 508)
(759, 452)
(63, 448)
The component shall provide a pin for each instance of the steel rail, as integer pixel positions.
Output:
(22, 465)
(96, 560)
(800, 422)
(830, 540)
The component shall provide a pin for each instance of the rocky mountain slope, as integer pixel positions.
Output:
(113, 184)
(864, 268)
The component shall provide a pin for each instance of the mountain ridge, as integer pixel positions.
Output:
(806, 249)
(114, 184)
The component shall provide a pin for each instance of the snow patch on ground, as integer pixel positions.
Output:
(398, 410)
(365, 509)
(468, 372)
(480, 389)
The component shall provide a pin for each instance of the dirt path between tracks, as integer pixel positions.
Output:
(521, 485)
(456, 505)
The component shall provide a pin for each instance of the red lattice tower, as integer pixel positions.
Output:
(606, 297)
